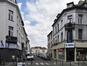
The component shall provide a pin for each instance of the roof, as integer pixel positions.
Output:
(71, 8)
(38, 47)
(50, 33)
(17, 9)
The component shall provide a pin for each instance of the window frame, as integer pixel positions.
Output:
(80, 18)
(10, 31)
(11, 15)
(80, 34)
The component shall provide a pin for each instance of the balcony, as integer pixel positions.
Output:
(69, 26)
(11, 39)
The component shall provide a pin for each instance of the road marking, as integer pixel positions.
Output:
(47, 63)
(54, 63)
(42, 63)
(29, 63)
(37, 63)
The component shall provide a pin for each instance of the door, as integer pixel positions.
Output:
(70, 54)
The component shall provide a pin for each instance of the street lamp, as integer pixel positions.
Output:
(13, 58)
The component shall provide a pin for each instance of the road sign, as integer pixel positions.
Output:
(69, 45)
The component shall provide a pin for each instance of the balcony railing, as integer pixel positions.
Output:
(11, 39)
(69, 26)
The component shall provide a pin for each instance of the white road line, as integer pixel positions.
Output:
(29, 63)
(54, 63)
(42, 63)
(47, 63)
(37, 63)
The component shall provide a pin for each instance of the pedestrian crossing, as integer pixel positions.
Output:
(42, 63)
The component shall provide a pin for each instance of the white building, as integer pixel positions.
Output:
(13, 38)
(38, 50)
(70, 33)
(50, 42)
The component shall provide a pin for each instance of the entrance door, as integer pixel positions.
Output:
(70, 54)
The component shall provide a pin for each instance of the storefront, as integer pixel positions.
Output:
(81, 54)
(61, 53)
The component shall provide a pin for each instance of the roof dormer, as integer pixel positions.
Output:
(69, 5)
(81, 2)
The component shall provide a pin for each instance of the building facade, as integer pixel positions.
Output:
(38, 50)
(70, 33)
(50, 43)
(13, 37)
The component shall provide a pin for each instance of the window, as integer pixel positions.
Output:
(58, 27)
(80, 34)
(58, 38)
(62, 36)
(80, 18)
(10, 15)
(54, 53)
(69, 36)
(61, 23)
(10, 32)
(70, 18)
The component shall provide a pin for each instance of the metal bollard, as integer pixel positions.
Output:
(62, 62)
(78, 62)
(70, 63)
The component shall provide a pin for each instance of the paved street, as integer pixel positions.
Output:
(40, 62)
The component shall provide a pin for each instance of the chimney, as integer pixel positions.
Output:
(81, 2)
(69, 5)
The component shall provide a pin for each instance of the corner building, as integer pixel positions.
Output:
(70, 33)
(13, 37)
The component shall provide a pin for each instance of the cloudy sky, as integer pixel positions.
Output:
(38, 16)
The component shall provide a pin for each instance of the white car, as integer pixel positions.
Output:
(21, 64)
(30, 57)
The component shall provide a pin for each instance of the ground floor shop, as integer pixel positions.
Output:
(70, 54)
(10, 55)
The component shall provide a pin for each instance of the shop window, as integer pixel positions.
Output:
(55, 53)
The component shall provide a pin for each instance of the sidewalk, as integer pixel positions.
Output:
(63, 63)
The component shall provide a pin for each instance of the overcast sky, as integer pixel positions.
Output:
(38, 16)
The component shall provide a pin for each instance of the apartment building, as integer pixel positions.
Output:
(13, 37)
(38, 50)
(70, 33)
(50, 43)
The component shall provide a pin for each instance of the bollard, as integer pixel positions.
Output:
(62, 62)
(70, 63)
(78, 62)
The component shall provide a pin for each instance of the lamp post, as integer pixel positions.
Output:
(13, 58)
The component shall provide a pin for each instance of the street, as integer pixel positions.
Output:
(41, 62)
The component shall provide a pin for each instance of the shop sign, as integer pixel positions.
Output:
(69, 45)
(61, 50)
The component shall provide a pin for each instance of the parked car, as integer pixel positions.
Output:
(21, 64)
(30, 57)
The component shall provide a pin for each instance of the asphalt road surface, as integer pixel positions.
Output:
(41, 62)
